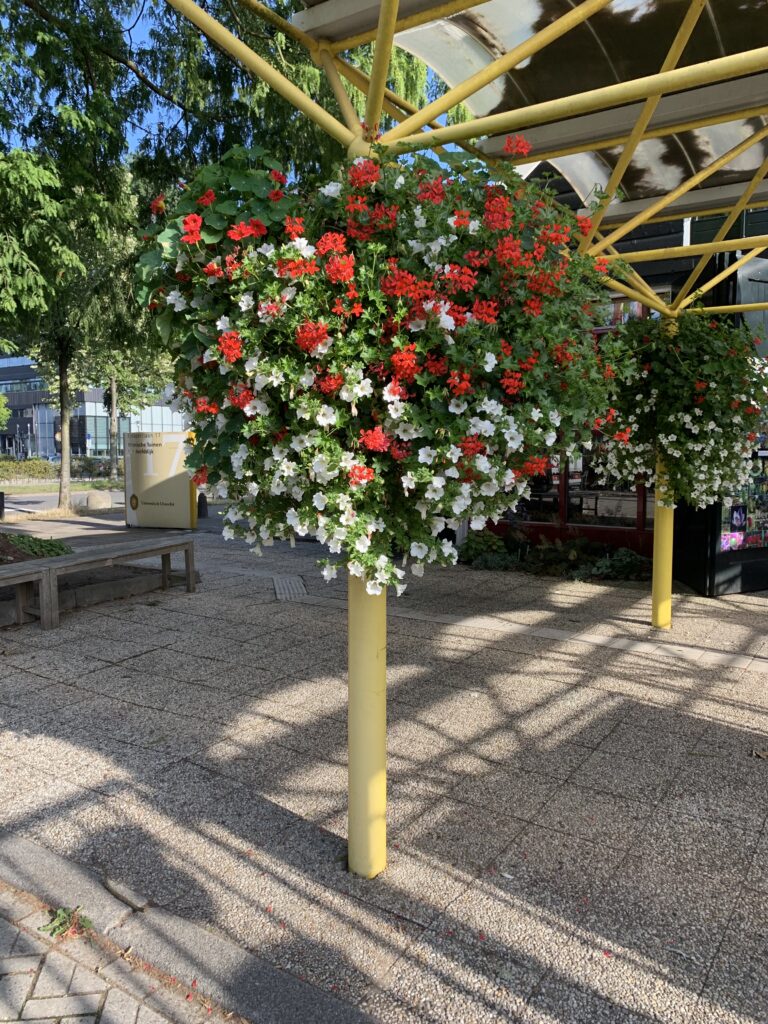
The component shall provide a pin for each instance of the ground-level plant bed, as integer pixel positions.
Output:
(17, 547)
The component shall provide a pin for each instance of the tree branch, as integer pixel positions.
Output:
(117, 58)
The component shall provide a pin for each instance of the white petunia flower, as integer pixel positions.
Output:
(427, 455)
(326, 417)
(330, 572)
(373, 587)
(332, 189)
(319, 500)
(489, 362)
(176, 299)
(246, 301)
(224, 324)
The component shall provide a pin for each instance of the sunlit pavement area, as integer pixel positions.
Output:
(577, 820)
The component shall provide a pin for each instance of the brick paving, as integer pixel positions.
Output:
(577, 823)
(40, 983)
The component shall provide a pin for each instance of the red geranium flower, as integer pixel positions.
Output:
(311, 335)
(375, 440)
(231, 346)
(360, 475)
(191, 225)
(207, 198)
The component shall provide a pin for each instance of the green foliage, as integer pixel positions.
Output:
(690, 394)
(479, 543)
(39, 547)
(5, 412)
(67, 922)
(621, 564)
(30, 469)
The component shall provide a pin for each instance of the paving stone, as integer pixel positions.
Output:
(119, 1008)
(55, 977)
(14, 989)
(61, 1006)
(19, 964)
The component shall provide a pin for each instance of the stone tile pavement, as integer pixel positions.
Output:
(577, 823)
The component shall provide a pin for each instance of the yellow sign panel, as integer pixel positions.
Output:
(158, 490)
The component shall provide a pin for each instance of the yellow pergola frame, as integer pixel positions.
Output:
(420, 130)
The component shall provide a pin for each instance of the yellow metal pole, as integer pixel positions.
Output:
(395, 105)
(663, 545)
(742, 307)
(663, 533)
(709, 285)
(445, 10)
(653, 302)
(258, 66)
(267, 14)
(746, 114)
(722, 231)
(367, 851)
(693, 182)
(348, 111)
(500, 66)
(644, 119)
(679, 79)
(672, 252)
(382, 53)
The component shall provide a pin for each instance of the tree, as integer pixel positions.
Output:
(64, 277)
(90, 81)
(5, 412)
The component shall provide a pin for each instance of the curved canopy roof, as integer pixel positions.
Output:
(625, 40)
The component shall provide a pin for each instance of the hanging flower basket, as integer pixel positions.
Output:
(372, 361)
(690, 395)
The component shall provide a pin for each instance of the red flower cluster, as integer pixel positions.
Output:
(460, 383)
(330, 384)
(311, 335)
(339, 269)
(278, 177)
(207, 198)
(516, 145)
(471, 445)
(191, 225)
(201, 476)
(363, 173)
(203, 405)
(534, 467)
(432, 191)
(375, 440)
(213, 269)
(512, 382)
(253, 229)
(331, 241)
(294, 227)
(240, 395)
(486, 311)
(231, 346)
(404, 363)
(157, 206)
(360, 475)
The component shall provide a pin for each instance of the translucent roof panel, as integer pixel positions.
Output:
(625, 40)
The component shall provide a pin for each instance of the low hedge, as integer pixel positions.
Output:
(32, 469)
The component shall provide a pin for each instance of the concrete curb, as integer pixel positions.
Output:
(169, 946)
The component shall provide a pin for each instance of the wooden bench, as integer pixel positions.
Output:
(46, 572)
(23, 576)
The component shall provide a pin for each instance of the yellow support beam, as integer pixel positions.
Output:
(746, 114)
(728, 272)
(742, 307)
(674, 54)
(690, 183)
(396, 106)
(638, 296)
(663, 552)
(252, 62)
(382, 54)
(679, 79)
(722, 231)
(346, 107)
(267, 14)
(445, 10)
(673, 252)
(367, 725)
(500, 66)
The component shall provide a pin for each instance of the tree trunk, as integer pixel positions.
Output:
(113, 452)
(65, 411)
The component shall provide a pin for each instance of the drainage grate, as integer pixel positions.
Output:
(289, 588)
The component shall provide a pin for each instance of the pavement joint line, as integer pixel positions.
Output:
(635, 645)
